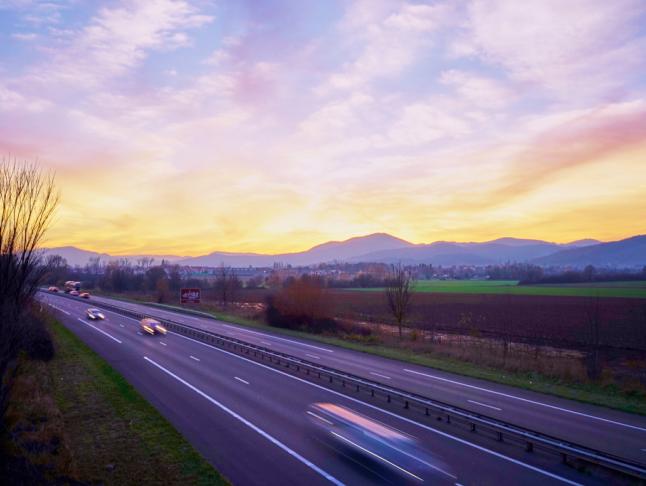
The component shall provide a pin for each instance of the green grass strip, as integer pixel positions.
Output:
(112, 423)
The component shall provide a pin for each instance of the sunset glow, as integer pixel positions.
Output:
(179, 127)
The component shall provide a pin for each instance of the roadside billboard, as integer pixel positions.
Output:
(190, 296)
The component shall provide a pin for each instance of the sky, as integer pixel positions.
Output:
(184, 127)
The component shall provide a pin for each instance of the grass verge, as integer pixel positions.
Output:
(77, 419)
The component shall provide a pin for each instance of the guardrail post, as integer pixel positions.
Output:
(406, 404)
(499, 436)
(389, 398)
(372, 392)
(448, 419)
(564, 458)
(357, 387)
(529, 447)
(473, 427)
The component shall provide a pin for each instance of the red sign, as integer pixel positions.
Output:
(189, 296)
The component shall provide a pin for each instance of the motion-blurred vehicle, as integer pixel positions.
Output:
(72, 285)
(84, 295)
(152, 326)
(375, 443)
(75, 293)
(95, 314)
(52, 289)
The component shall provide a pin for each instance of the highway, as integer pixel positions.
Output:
(249, 419)
(611, 431)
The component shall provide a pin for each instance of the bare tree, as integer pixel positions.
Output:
(221, 284)
(398, 294)
(227, 285)
(28, 199)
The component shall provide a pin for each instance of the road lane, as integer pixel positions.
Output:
(599, 428)
(276, 402)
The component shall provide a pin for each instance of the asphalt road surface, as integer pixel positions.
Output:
(249, 419)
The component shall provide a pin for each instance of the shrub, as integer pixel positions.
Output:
(36, 340)
(301, 304)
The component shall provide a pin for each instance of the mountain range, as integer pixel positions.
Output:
(385, 248)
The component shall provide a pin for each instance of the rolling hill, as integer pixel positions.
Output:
(628, 252)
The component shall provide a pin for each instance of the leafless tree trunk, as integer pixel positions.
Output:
(398, 294)
(594, 337)
(27, 202)
(227, 285)
(506, 327)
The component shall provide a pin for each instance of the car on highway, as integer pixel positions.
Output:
(53, 289)
(374, 444)
(75, 293)
(84, 295)
(152, 326)
(94, 314)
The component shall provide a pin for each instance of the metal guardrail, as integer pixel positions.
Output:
(474, 422)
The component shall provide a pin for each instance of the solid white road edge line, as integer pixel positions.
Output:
(255, 428)
(392, 414)
(484, 405)
(58, 308)
(527, 400)
(378, 456)
(240, 379)
(279, 338)
(100, 330)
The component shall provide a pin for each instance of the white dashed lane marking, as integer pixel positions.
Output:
(380, 375)
(484, 405)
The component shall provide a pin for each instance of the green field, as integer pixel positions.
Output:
(601, 289)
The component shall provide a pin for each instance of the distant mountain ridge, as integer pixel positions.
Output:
(628, 252)
(325, 252)
(77, 256)
(385, 248)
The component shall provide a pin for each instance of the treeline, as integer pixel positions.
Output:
(588, 274)
(122, 275)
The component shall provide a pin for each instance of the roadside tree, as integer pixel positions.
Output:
(28, 199)
(398, 294)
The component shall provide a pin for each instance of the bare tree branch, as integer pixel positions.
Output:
(28, 199)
